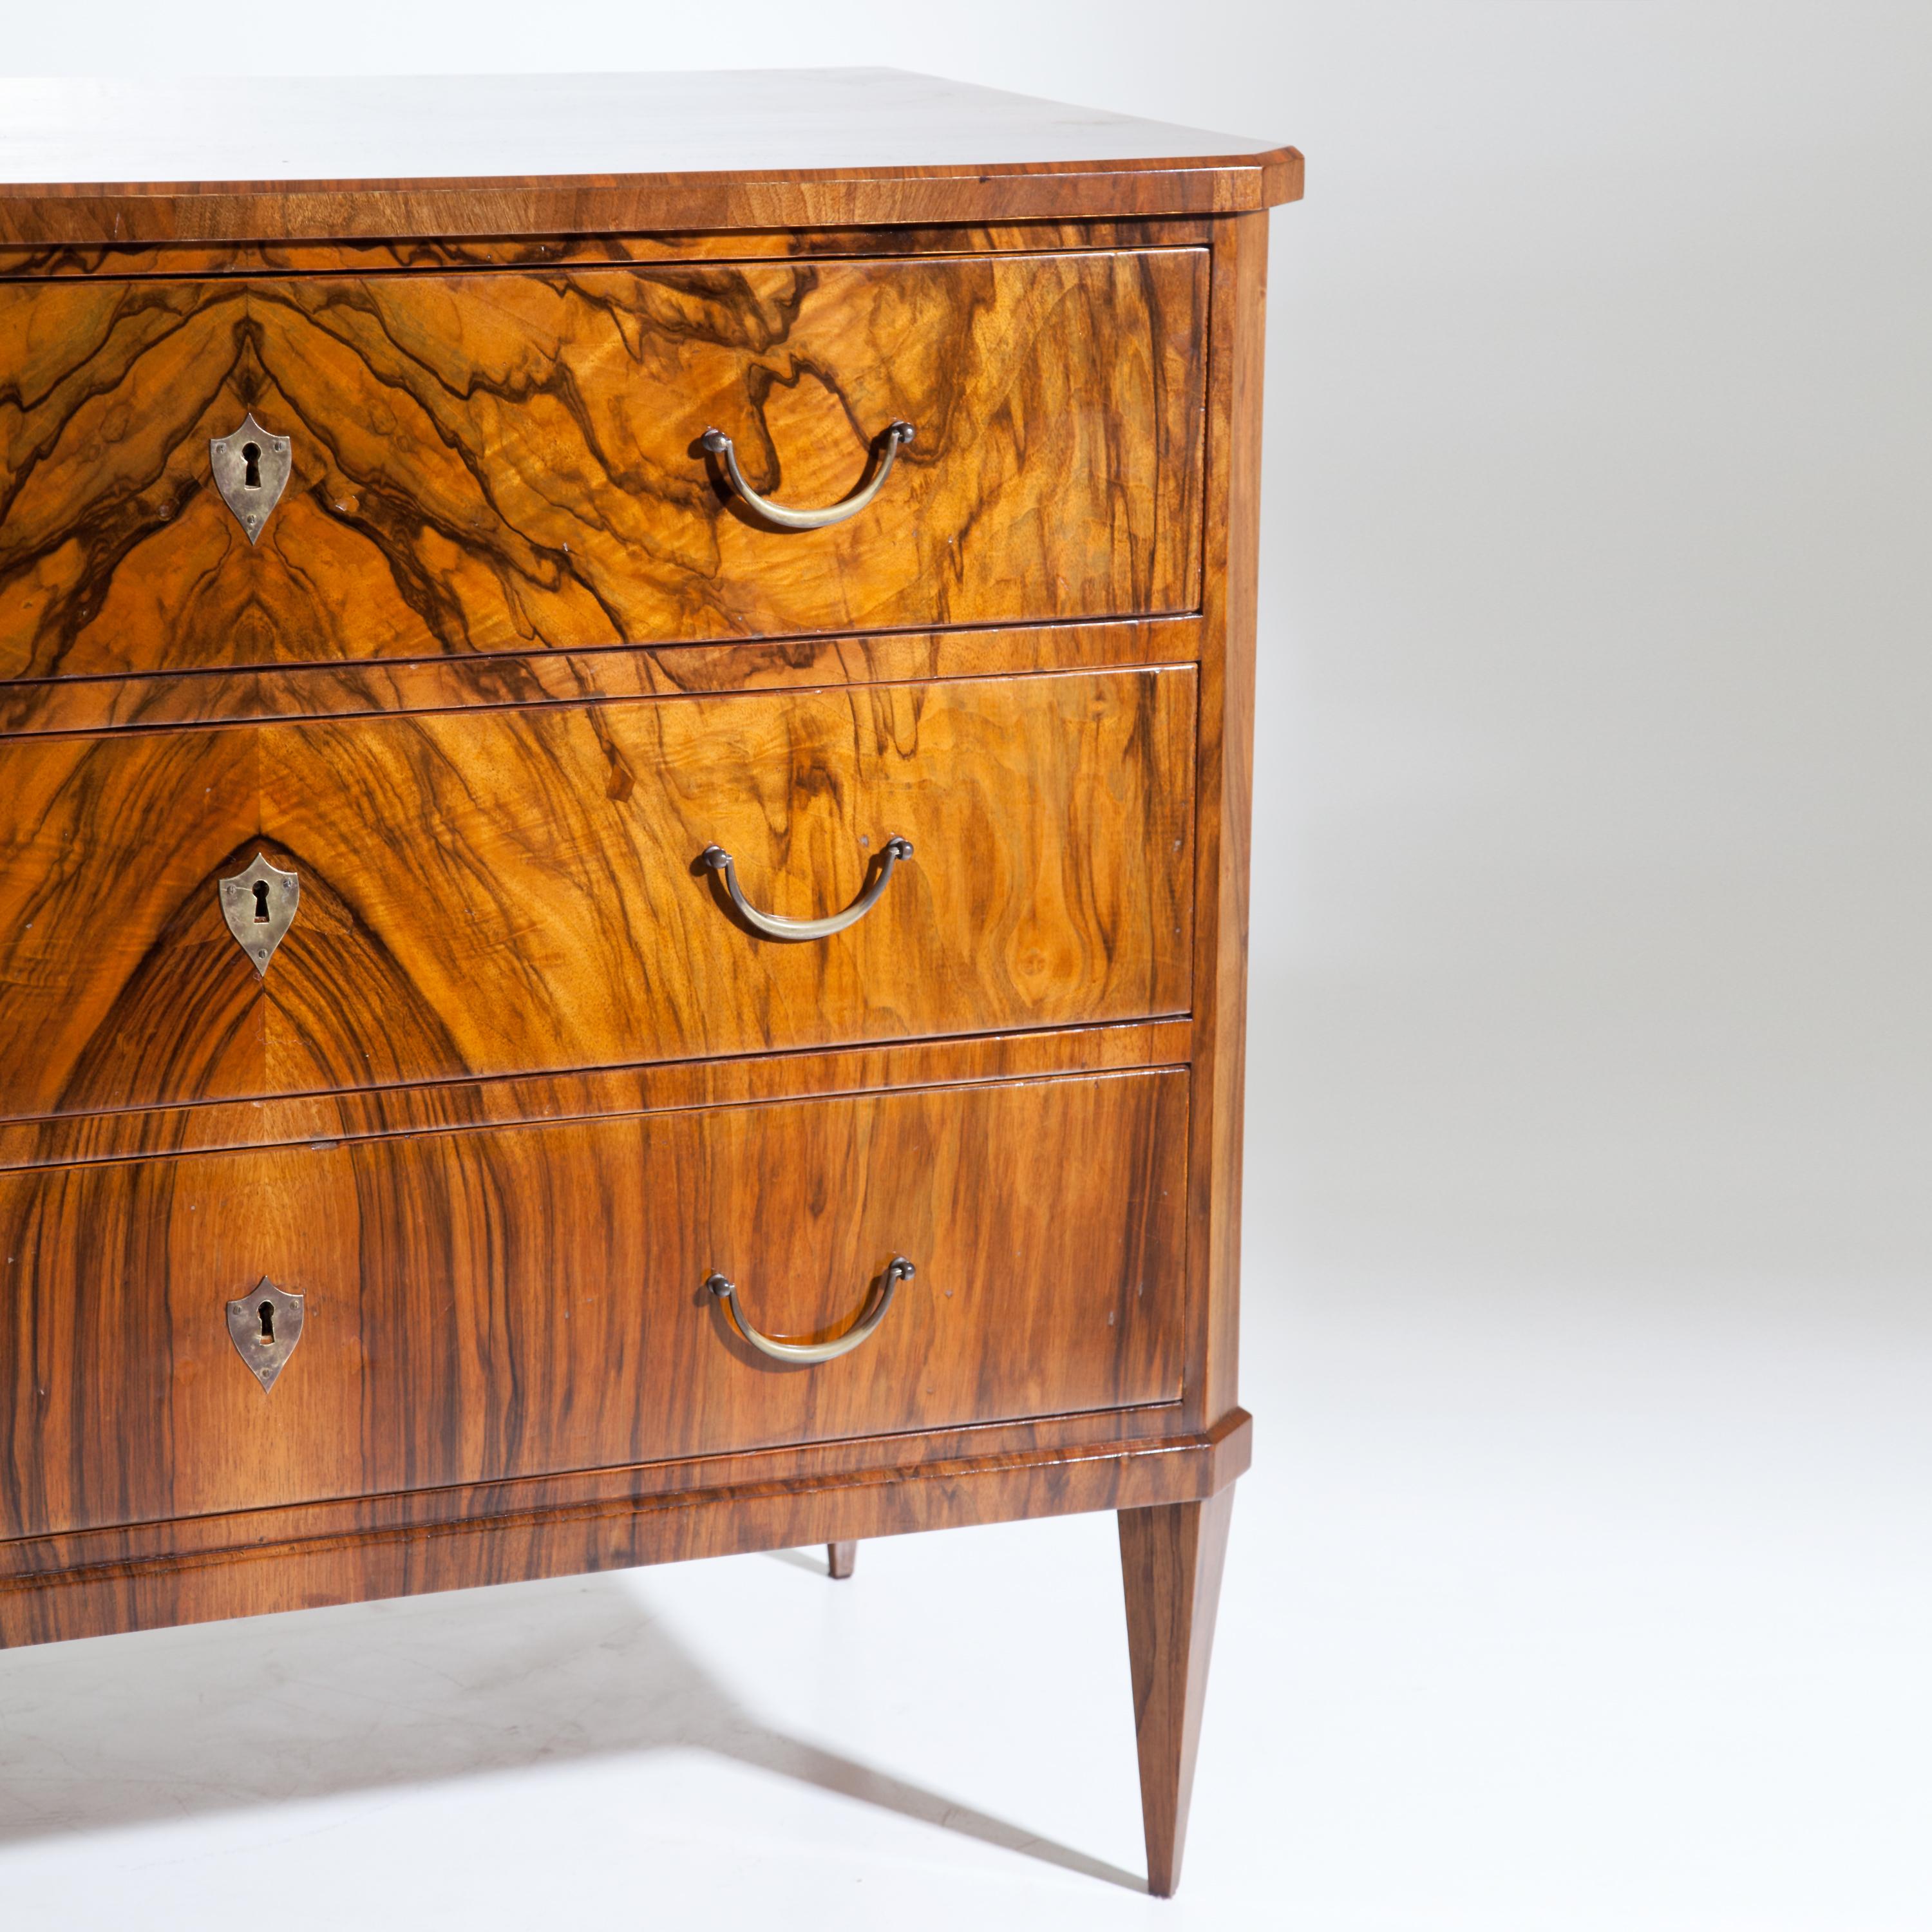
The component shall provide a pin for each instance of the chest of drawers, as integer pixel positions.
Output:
(624, 778)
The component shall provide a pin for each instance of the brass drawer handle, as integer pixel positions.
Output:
(773, 927)
(898, 1270)
(897, 434)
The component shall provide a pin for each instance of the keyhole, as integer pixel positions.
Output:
(267, 1312)
(261, 901)
(251, 476)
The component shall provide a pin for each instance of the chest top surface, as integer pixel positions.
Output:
(115, 160)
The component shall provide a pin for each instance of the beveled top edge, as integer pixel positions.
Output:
(188, 138)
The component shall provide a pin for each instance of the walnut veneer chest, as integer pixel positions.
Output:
(624, 786)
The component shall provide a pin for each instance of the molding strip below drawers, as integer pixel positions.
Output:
(267, 1575)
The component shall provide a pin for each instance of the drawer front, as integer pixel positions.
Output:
(489, 892)
(528, 1300)
(505, 462)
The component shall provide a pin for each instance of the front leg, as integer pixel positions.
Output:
(1171, 1557)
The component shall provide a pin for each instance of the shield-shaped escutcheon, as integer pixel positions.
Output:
(251, 471)
(264, 1325)
(260, 906)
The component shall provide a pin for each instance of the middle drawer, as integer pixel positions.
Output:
(522, 890)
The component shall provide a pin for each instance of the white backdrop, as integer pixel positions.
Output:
(1582, 1580)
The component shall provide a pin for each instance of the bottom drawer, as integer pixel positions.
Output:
(517, 1301)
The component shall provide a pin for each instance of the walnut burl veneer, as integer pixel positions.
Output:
(501, 462)
(555, 1013)
(549, 911)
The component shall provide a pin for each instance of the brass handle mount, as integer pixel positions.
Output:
(896, 436)
(773, 927)
(898, 1270)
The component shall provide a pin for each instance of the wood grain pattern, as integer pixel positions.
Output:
(1172, 1557)
(506, 892)
(500, 462)
(482, 1305)
(42, 705)
(249, 1577)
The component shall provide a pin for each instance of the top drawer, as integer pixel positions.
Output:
(513, 461)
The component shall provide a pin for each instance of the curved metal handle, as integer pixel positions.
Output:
(773, 927)
(719, 444)
(897, 1269)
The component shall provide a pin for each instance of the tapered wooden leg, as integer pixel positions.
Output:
(1170, 1557)
(840, 1557)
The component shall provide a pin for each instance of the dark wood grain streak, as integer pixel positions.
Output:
(888, 1501)
(36, 706)
(499, 1303)
(502, 892)
(502, 462)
